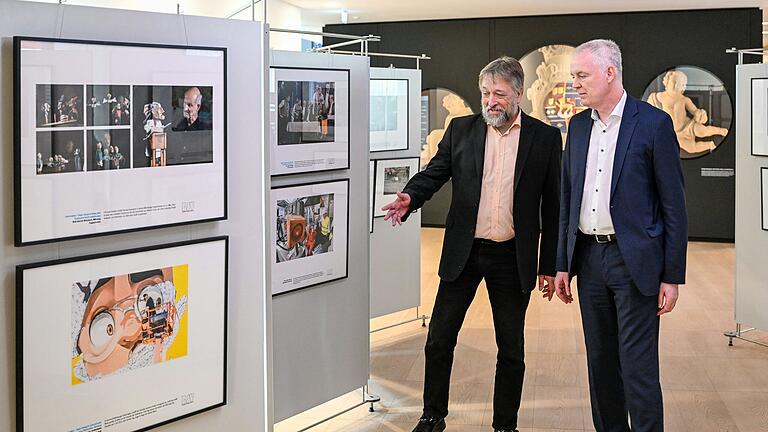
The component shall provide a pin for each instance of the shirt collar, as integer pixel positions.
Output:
(516, 122)
(618, 110)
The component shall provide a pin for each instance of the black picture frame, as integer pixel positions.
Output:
(346, 267)
(407, 114)
(752, 116)
(372, 198)
(17, 134)
(20, 269)
(349, 127)
(763, 191)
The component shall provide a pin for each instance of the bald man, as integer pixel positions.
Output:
(192, 120)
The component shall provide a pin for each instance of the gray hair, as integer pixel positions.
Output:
(506, 68)
(605, 52)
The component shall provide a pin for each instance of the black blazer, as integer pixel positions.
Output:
(460, 157)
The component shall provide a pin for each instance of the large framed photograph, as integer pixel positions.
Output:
(310, 232)
(759, 116)
(391, 177)
(116, 137)
(388, 114)
(309, 116)
(122, 341)
(764, 197)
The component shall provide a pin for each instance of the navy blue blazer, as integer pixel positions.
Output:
(647, 201)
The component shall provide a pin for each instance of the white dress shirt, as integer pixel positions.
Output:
(595, 215)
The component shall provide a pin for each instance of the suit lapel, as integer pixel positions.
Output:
(477, 137)
(579, 148)
(523, 146)
(628, 123)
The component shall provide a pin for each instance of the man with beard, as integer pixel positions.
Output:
(505, 168)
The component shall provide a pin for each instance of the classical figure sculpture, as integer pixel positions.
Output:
(456, 108)
(674, 102)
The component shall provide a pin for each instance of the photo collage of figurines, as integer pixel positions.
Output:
(97, 127)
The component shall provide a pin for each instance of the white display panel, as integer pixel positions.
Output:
(391, 177)
(117, 137)
(759, 116)
(310, 230)
(123, 341)
(389, 114)
(309, 120)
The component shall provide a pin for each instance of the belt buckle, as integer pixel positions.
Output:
(607, 238)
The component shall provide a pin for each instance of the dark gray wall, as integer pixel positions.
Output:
(651, 43)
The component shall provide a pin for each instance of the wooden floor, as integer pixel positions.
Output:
(707, 385)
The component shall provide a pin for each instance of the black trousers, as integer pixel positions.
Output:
(621, 331)
(498, 265)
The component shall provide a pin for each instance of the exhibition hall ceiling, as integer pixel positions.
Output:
(329, 11)
(398, 10)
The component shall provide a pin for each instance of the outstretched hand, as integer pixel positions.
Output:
(397, 208)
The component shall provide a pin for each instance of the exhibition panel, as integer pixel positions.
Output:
(395, 259)
(137, 354)
(134, 362)
(751, 200)
(320, 330)
(86, 129)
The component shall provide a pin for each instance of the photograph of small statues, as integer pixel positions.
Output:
(113, 135)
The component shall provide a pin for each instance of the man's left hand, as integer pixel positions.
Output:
(547, 286)
(668, 294)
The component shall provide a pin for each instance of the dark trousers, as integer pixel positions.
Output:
(621, 331)
(498, 265)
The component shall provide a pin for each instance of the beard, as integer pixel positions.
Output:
(500, 119)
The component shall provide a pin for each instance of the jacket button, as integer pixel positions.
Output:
(472, 231)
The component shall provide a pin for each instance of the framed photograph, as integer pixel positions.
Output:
(389, 114)
(116, 137)
(391, 177)
(110, 342)
(309, 116)
(310, 232)
(371, 192)
(764, 197)
(759, 117)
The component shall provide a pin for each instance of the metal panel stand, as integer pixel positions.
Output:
(738, 335)
(422, 317)
(367, 399)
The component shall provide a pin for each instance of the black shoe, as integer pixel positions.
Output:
(505, 430)
(429, 424)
